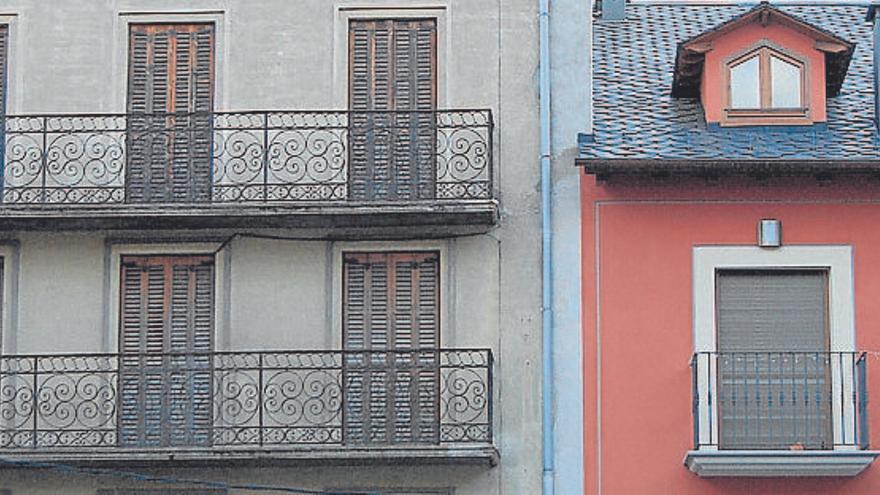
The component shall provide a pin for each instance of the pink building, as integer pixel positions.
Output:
(731, 255)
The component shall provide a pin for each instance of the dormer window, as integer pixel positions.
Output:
(766, 86)
(762, 68)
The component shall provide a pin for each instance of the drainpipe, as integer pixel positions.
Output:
(546, 231)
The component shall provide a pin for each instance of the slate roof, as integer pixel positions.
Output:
(637, 119)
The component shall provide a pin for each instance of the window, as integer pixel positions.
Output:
(773, 344)
(166, 331)
(395, 491)
(775, 370)
(765, 87)
(393, 94)
(161, 491)
(391, 302)
(170, 94)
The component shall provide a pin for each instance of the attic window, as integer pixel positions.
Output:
(766, 87)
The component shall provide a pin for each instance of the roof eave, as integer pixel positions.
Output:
(646, 168)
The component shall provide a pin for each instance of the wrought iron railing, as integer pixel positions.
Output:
(780, 400)
(278, 399)
(238, 157)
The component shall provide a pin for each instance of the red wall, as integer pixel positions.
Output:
(639, 239)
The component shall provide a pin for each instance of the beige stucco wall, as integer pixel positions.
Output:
(69, 56)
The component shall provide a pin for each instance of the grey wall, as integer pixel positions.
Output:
(69, 56)
(570, 43)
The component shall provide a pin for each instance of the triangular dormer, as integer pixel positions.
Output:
(764, 67)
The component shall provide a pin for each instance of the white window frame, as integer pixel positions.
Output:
(837, 260)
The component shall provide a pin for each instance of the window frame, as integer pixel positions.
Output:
(836, 259)
(766, 114)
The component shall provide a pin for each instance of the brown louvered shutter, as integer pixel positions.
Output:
(166, 336)
(392, 96)
(391, 302)
(773, 367)
(170, 97)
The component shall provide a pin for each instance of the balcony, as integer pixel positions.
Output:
(230, 169)
(428, 406)
(780, 414)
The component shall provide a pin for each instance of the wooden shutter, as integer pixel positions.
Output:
(166, 337)
(391, 302)
(161, 491)
(393, 95)
(773, 365)
(170, 97)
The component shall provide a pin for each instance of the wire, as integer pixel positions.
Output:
(134, 476)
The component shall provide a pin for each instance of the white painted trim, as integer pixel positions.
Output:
(15, 63)
(118, 85)
(838, 260)
(347, 10)
(221, 290)
(446, 276)
(9, 254)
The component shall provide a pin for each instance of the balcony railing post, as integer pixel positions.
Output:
(862, 377)
(266, 156)
(44, 159)
(491, 397)
(491, 151)
(260, 397)
(35, 399)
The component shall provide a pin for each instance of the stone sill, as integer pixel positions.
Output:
(778, 463)
(477, 455)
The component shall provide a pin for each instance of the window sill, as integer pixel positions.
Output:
(766, 117)
(778, 463)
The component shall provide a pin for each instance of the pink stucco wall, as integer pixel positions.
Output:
(637, 314)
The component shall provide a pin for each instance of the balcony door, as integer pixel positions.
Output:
(170, 97)
(166, 335)
(391, 332)
(774, 387)
(393, 98)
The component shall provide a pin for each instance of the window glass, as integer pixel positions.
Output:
(745, 88)
(786, 84)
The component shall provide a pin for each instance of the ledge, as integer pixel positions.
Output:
(604, 169)
(477, 455)
(466, 216)
(778, 463)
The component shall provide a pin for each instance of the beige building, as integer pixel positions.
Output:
(270, 242)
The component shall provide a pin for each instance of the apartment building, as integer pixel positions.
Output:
(729, 204)
(275, 242)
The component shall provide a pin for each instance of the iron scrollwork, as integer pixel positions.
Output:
(276, 156)
(273, 398)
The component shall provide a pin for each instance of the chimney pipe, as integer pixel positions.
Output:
(613, 10)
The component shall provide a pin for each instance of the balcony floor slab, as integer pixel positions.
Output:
(433, 218)
(477, 455)
(778, 463)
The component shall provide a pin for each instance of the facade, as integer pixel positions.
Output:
(728, 198)
(270, 243)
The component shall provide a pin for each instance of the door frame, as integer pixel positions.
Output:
(837, 260)
(123, 19)
(447, 291)
(391, 9)
(113, 264)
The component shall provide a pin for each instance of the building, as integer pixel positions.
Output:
(729, 198)
(275, 243)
